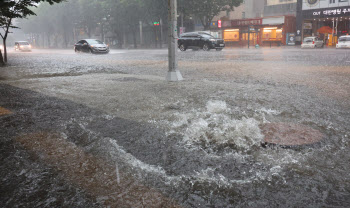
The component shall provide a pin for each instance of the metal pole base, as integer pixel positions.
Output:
(174, 76)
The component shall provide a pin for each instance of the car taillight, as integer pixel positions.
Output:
(313, 42)
(301, 43)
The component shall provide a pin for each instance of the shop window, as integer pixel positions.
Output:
(231, 35)
(272, 34)
(252, 36)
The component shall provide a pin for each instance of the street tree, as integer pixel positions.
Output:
(11, 9)
(155, 11)
(206, 10)
(91, 14)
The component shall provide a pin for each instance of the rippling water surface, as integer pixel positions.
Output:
(82, 124)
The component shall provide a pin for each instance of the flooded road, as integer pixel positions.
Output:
(76, 125)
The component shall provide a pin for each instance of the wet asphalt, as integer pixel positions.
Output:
(163, 139)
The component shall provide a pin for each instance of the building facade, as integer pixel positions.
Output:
(327, 19)
(256, 24)
(280, 7)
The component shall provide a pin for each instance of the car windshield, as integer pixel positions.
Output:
(94, 42)
(307, 40)
(187, 35)
(207, 36)
(344, 39)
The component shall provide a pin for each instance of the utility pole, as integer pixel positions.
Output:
(248, 36)
(333, 32)
(173, 73)
(161, 33)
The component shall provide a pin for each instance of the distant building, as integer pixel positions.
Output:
(263, 22)
(326, 19)
(280, 7)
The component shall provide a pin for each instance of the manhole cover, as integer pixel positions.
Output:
(286, 134)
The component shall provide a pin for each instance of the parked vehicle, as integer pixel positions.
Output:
(343, 42)
(200, 40)
(91, 46)
(22, 46)
(312, 42)
(2, 48)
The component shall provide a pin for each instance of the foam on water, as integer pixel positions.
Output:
(206, 129)
(216, 126)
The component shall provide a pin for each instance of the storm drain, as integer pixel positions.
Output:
(290, 135)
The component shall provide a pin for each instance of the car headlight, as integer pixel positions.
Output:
(212, 40)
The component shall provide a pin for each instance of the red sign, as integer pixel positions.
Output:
(244, 22)
(219, 24)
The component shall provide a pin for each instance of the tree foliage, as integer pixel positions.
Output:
(206, 10)
(91, 17)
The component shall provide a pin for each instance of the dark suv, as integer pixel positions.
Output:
(200, 40)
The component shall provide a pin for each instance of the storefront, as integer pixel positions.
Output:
(262, 31)
(327, 20)
(240, 32)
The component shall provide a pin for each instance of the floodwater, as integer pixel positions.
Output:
(85, 130)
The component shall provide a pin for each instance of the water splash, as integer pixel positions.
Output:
(216, 128)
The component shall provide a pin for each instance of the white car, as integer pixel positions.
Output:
(312, 42)
(344, 42)
(23, 46)
(2, 48)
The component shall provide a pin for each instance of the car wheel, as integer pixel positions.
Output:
(206, 47)
(76, 51)
(219, 49)
(182, 47)
(90, 51)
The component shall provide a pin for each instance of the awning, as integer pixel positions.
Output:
(273, 21)
(325, 29)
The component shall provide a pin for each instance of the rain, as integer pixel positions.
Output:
(152, 103)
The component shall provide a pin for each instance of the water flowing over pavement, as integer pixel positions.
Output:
(82, 130)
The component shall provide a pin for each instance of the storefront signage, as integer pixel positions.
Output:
(246, 22)
(226, 23)
(307, 26)
(332, 12)
(324, 4)
(324, 13)
(291, 39)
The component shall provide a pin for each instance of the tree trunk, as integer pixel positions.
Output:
(5, 37)
(89, 32)
(134, 38)
(2, 63)
(125, 42)
(65, 39)
(155, 37)
(5, 50)
(102, 33)
(48, 40)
